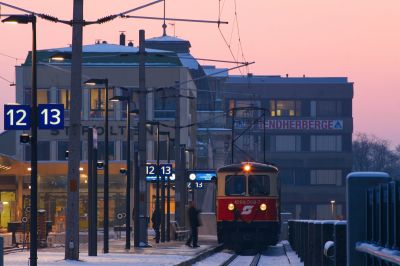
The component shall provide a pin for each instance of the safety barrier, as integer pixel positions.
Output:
(381, 240)
(371, 234)
(312, 239)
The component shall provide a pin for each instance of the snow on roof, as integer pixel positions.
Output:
(284, 80)
(166, 38)
(210, 70)
(188, 60)
(368, 174)
(105, 48)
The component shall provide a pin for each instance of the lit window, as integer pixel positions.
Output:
(285, 108)
(97, 102)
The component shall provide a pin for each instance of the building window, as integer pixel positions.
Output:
(164, 104)
(62, 147)
(285, 108)
(64, 98)
(326, 177)
(326, 143)
(97, 102)
(285, 143)
(287, 176)
(42, 96)
(328, 108)
(248, 113)
(43, 151)
(101, 150)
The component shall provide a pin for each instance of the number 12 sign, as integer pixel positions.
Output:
(51, 116)
(17, 117)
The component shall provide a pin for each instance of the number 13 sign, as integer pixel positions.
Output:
(51, 116)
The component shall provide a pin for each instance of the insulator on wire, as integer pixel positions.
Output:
(48, 17)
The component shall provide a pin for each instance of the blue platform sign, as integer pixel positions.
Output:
(201, 175)
(17, 117)
(51, 116)
(196, 185)
(165, 171)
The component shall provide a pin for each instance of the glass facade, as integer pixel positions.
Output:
(97, 103)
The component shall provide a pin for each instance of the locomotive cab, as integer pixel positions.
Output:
(248, 205)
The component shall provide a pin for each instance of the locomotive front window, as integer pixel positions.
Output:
(258, 185)
(235, 185)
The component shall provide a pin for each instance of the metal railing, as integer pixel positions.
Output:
(319, 243)
(382, 228)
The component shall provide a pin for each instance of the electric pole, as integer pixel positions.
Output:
(142, 140)
(72, 219)
(180, 192)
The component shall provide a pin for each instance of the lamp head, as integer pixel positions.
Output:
(93, 82)
(134, 112)
(119, 98)
(61, 56)
(19, 19)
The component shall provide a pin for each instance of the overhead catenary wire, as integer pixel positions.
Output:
(239, 38)
(12, 57)
(176, 19)
(71, 22)
(10, 82)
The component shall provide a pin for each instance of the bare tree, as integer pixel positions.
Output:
(374, 154)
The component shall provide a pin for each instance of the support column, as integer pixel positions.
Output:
(20, 196)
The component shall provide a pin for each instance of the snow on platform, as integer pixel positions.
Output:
(57, 258)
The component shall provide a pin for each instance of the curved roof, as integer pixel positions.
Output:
(166, 38)
(255, 167)
(106, 48)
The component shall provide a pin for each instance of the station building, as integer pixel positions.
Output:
(303, 125)
(119, 64)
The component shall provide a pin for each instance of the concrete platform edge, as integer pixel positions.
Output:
(201, 256)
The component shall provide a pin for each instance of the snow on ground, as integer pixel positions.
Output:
(57, 259)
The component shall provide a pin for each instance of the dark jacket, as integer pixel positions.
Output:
(194, 219)
(156, 218)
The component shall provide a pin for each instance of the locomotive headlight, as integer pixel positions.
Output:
(231, 206)
(263, 207)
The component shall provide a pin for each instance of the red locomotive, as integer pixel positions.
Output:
(248, 205)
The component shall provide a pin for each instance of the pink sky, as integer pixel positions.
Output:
(357, 39)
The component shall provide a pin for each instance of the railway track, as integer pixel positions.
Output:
(274, 255)
(12, 250)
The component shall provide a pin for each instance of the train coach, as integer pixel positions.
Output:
(248, 205)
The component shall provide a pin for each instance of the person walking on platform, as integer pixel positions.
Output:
(194, 221)
(156, 220)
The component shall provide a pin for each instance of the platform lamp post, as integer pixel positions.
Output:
(25, 19)
(128, 166)
(192, 177)
(94, 82)
(157, 123)
(163, 238)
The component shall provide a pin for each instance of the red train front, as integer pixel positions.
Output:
(248, 205)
